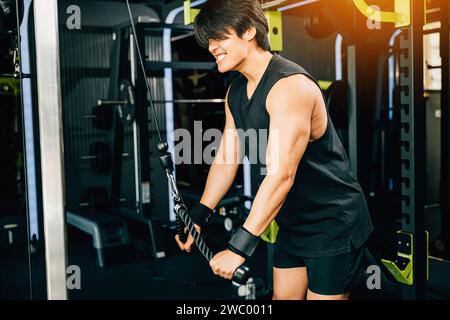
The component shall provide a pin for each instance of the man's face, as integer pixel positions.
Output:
(230, 52)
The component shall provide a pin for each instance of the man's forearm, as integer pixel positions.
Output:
(267, 203)
(220, 179)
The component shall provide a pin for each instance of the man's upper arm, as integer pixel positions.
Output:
(290, 104)
(229, 149)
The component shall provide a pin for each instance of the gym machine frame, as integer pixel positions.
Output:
(183, 219)
(411, 265)
(123, 67)
(445, 126)
(412, 105)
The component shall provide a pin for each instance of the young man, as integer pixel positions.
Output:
(306, 186)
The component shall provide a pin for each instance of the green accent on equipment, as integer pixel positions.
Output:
(275, 21)
(401, 16)
(189, 13)
(402, 266)
(270, 235)
(324, 85)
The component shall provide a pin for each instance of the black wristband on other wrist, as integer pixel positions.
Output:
(243, 243)
(200, 214)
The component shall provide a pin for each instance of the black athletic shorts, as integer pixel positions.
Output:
(326, 275)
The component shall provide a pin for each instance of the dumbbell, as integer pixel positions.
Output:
(96, 198)
(100, 157)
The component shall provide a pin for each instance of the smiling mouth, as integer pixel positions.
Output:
(220, 57)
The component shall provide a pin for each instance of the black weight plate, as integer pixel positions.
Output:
(102, 117)
(317, 25)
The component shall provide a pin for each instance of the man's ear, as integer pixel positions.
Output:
(250, 34)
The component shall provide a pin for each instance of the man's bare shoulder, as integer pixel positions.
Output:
(297, 89)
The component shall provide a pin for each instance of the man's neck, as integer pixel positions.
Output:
(254, 66)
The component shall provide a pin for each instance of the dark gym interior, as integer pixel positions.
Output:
(111, 218)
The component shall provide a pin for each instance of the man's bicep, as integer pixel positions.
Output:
(288, 139)
(290, 108)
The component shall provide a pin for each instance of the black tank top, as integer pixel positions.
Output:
(325, 212)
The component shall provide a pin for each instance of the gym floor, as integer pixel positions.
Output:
(138, 280)
(130, 276)
(181, 276)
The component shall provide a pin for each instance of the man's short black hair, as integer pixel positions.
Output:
(218, 16)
